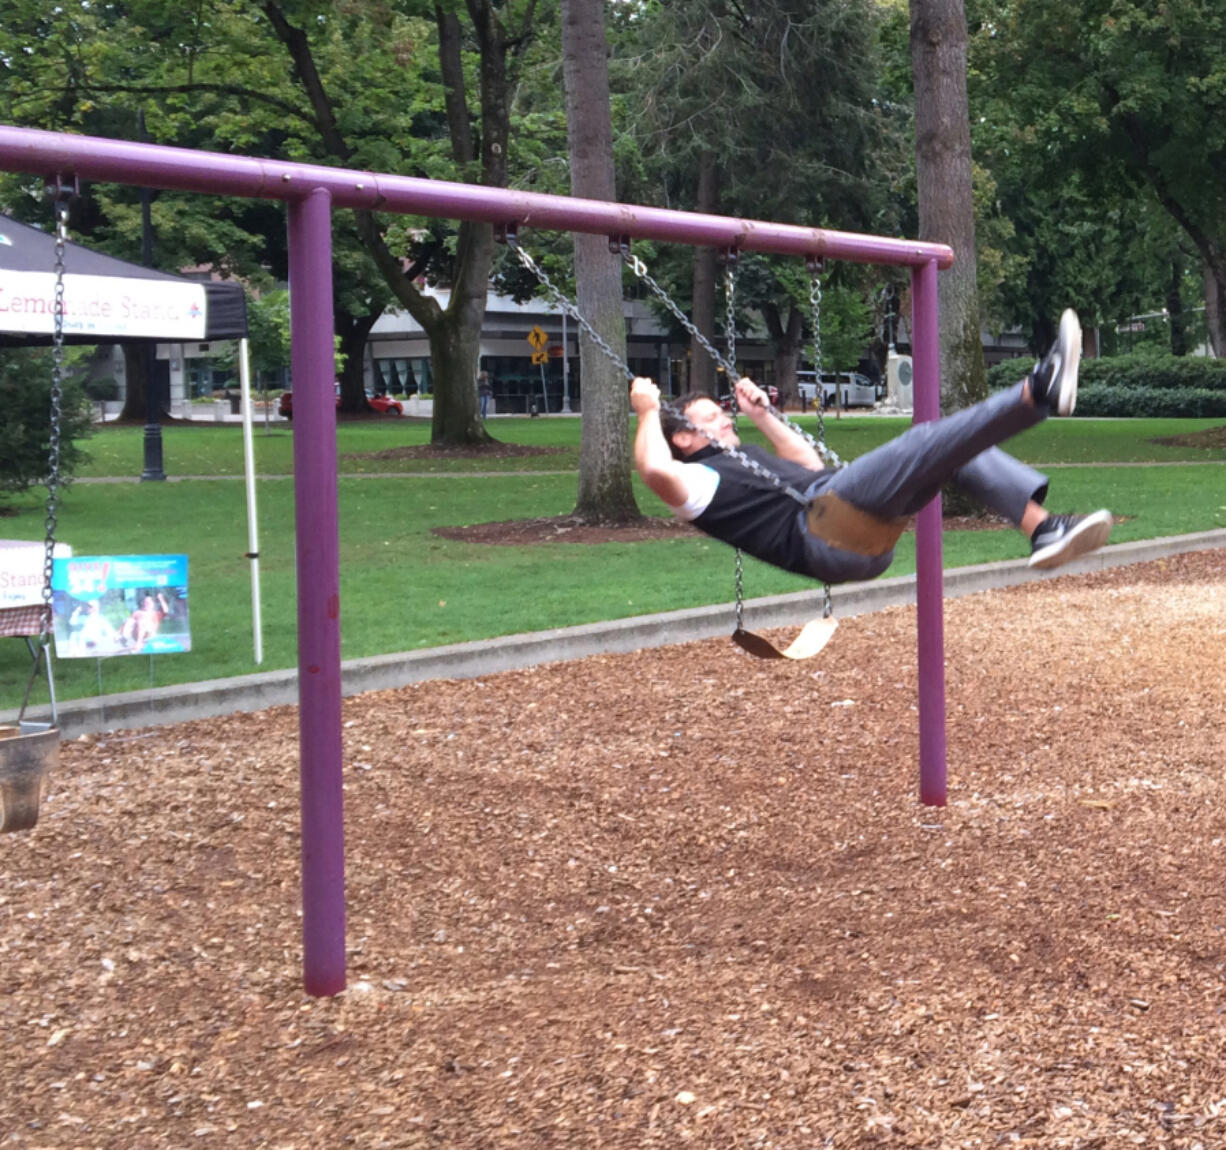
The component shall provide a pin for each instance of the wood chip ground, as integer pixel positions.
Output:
(670, 898)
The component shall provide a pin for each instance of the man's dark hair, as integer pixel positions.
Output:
(672, 417)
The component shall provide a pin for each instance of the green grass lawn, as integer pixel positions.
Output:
(404, 589)
(217, 449)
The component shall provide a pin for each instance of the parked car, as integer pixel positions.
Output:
(772, 392)
(854, 389)
(384, 404)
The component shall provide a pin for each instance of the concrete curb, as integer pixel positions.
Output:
(515, 652)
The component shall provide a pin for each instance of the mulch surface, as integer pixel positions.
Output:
(676, 897)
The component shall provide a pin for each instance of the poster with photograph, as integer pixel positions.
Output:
(108, 605)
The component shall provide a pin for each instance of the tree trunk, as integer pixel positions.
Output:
(788, 343)
(706, 263)
(455, 343)
(1174, 310)
(136, 381)
(605, 492)
(455, 333)
(946, 203)
(1215, 302)
(353, 331)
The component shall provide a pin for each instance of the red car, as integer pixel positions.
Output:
(380, 403)
(771, 390)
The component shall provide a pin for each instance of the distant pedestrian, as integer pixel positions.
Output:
(484, 391)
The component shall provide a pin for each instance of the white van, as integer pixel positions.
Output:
(854, 389)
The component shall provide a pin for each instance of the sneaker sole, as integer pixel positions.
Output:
(1069, 340)
(1089, 535)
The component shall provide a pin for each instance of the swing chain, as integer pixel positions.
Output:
(815, 313)
(730, 321)
(62, 200)
(751, 465)
(740, 591)
(639, 268)
(62, 196)
(565, 304)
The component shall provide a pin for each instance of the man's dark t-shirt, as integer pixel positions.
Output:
(751, 513)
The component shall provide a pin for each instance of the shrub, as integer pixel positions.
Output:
(25, 431)
(102, 389)
(1152, 402)
(1180, 387)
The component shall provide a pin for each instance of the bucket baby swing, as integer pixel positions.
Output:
(30, 750)
(829, 517)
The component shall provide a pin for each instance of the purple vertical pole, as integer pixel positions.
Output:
(929, 591)
(318, 561)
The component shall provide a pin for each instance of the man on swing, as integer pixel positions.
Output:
(676, 453)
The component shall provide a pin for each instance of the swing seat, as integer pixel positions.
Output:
(28, 753)
(843, 525)
(814, 635)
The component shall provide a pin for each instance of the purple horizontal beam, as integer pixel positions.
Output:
(154, 166)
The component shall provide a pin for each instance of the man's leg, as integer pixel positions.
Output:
(898, 478)
(1002, 484)
(902, 476)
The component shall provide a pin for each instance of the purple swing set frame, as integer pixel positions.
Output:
(311, 193)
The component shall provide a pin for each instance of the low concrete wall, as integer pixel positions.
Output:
(513, 652)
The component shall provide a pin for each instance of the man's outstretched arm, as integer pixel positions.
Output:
(787, 444)
(652, 457)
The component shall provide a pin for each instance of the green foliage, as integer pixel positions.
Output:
(1139, 386)
(1131, 372)
(102, 389)
(1151, 402)
(25, 433)
(1102, 124)
(268, 323)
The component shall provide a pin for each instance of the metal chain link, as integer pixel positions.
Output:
(739, 581)
(751, 465)
(815, 313)
(567, 306)
(637, 266)
(730, 323)
(62, 199)
(57, 400)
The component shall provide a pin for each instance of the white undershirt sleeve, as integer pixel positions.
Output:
(701, 482)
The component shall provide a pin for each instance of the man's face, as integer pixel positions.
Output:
(713, 423)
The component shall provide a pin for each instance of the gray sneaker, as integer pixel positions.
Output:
(1053, 383)
(1061, 538)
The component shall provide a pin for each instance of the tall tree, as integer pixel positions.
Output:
(946, 198)
(454, 330)
(769, 111)
(370, 84)
(605, 492)
(1129, 95)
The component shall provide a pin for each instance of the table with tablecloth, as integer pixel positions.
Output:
(21, 597)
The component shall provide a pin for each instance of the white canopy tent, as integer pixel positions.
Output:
(107, 300)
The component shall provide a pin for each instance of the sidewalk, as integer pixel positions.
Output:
(513, 652)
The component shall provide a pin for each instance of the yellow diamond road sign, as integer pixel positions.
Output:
(537, 338)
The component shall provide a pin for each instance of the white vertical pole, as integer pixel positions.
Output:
(253, 527)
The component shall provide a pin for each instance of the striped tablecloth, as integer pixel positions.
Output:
(21, 620)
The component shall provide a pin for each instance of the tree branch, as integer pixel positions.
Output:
(452, 66)
(185, 89)
(299, 47)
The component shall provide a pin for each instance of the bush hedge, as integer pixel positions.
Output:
(102, 389)
(1180, 387)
